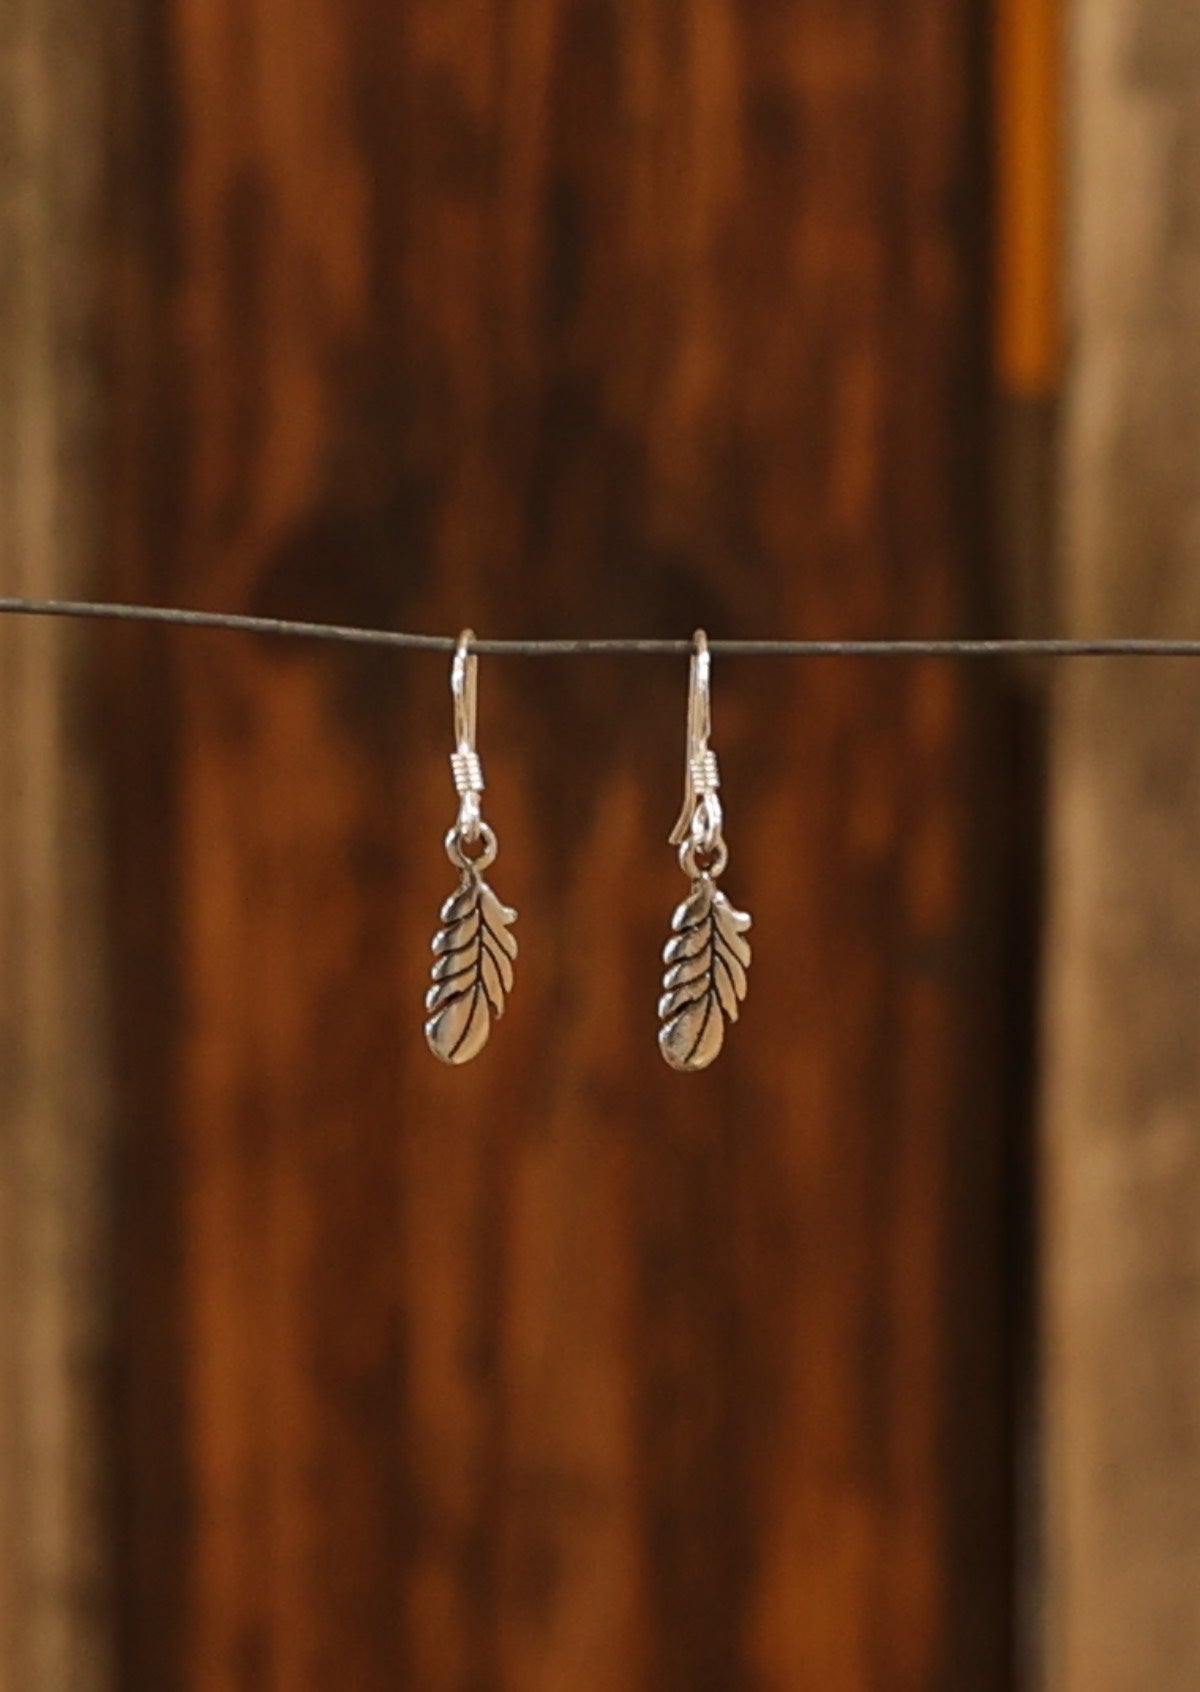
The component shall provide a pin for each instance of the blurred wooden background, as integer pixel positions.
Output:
(55, 1115)
(559, 1372)
(1122, 1100)
(563, 1371)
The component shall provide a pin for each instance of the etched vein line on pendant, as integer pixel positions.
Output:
(730, 1008)
(703, 1028)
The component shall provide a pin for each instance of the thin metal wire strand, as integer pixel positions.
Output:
(175, 617)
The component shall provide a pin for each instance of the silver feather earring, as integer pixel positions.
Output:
(708, 954)
(474, 948)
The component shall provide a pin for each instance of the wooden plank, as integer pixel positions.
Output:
(1028, 168)
(53, 1106)
(562, 1370)
(1122, 1090)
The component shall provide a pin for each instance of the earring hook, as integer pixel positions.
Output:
(700, 820)
(464, 685)
(464, 760)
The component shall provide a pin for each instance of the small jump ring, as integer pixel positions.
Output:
(691, 850)
(457, 839)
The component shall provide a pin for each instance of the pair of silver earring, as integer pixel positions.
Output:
(706, 957)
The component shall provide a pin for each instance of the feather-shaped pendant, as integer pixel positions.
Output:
(705, 980)
(472, 970)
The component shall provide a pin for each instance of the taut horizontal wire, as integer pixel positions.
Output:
(175, 617)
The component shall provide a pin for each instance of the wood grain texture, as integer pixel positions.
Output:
(53, 1106)
(1122, 1156)
(562, 1370)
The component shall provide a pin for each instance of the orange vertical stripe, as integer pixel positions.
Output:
(1029, 329)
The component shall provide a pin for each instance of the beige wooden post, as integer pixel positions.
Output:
(52, 1635)
(1122, 1101)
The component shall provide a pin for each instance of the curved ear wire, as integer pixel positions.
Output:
(701, 813)
(699, 727)
(464, 760)
(464, 686)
